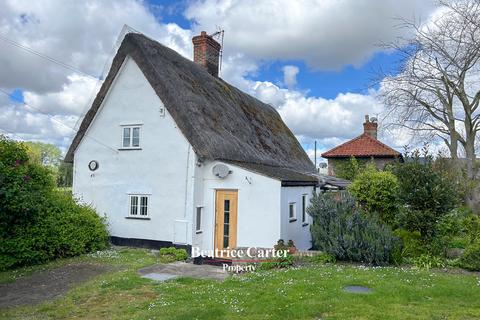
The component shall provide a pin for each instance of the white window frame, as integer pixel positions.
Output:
(198, 224)
(138, 206)
(131, 127)
(293, 205)
(304, 209)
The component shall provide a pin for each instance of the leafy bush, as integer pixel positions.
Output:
(422, 188)
(321, 258)
(426, 196)
(471, 257)
(174, 254)
(347, 169)
(377, 192)
(347, 233)
(37, 223)
(283, 262)
(426, 261)
(471, 225)
(412, 245)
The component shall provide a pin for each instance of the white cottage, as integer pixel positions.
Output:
(172, 154)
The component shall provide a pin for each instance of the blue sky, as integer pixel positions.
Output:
(326, 84)
(332, 44)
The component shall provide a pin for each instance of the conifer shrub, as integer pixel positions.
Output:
(341, 229)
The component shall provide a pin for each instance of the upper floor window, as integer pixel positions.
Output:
(131, 136)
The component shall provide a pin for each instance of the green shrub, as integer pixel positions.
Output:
(412, 245)
(471, 225)
(321, 258)
(426, 261)
(283, 262)
(422, 188)
(471, 257)
(38, 224)
(173, 254)
(426, 196)
(64, 230)
(348, 234)
(377, 192)
(348, 169)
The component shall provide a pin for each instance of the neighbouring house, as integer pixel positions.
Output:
(172, 154)
(365, 148)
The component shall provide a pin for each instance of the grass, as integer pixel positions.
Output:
(310, 292)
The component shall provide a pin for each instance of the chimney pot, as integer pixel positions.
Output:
(206, 52)
(370, 128)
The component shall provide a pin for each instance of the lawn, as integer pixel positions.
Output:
(309, 292)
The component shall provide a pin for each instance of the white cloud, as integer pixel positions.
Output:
(79, 33)
(320, 118)
(21, 123)
(290, 75)
(327, 34)
(72, 99)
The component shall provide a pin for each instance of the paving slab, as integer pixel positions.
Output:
(182, 269)
(159, 276)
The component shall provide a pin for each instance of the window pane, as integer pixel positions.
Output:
(133, 205)
(225, 241)
(126, 137)
(226, 223)
(143, 206)
(291, 209)
(199, 219)
(136, 137)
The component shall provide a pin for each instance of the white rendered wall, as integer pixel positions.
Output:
(258, 222)
(163, 168)
(297, 231)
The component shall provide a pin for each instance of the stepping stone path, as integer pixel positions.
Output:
(357, 289)
(163, 272)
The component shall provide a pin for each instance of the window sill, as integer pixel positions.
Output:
(137, 218)
(128, 149)
(305, 224)
(292, 220)
(198, 231)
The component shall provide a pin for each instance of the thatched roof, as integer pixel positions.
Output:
(220, 121)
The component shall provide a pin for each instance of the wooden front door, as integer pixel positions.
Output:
(226, 219)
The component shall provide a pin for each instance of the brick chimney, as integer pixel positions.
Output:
(206, 52)
(370, 126)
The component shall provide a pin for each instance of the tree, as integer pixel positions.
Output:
(44, 153)
(49, 155)
(436, 92)
(377, 192)
(426, 195)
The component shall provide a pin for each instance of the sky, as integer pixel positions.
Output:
(317, 62)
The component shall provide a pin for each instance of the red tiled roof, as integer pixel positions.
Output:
(361, 146)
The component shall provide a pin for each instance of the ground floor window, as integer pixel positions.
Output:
(138, 206)
(198, 220)
(291, 212)
(304, 208)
